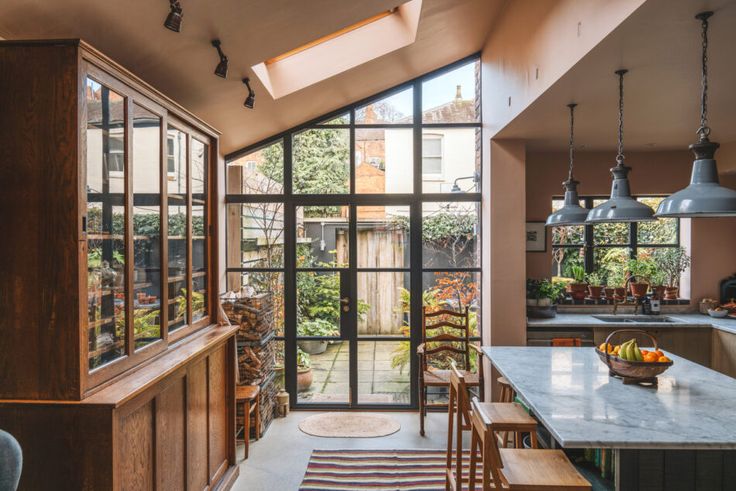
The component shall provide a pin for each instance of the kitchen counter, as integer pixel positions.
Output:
(681, 320)
(570, 392)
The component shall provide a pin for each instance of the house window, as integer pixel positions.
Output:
(170, 156)
(606, 248)
(432, 155)
(116, 156)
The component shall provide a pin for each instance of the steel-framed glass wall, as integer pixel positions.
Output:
(351, 223)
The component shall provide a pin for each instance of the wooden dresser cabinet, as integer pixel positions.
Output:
(113, 372)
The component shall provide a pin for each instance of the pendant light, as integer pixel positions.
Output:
(571, 212)
(621, 207)
(704, 197)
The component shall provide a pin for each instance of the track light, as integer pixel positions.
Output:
(173, 20)
(221, 69)
(251, 99)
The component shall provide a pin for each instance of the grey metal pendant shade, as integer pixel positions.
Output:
(704, 197)
(621, 207)
(571, 212)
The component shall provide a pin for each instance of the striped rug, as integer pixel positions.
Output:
(343, 470)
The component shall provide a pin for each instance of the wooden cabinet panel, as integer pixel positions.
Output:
(218, 423)
(170, 437)
(197, 463)
(724, 352)
(136, 449)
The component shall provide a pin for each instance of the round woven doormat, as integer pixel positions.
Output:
(349, 425)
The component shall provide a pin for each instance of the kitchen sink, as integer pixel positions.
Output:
(634, 318)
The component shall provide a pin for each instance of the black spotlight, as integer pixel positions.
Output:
(173, 20)
(250, 101)
(221, 69)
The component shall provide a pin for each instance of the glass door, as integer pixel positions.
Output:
(352, 309)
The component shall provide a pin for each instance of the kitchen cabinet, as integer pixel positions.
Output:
(724, 352)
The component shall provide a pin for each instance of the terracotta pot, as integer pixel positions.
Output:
(620, 293)
(577, 291)
(609, 293)
(671, 293)
(595, 291)
(639, 289)
(659, 291)
(304, 378)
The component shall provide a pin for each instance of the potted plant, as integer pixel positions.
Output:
(304, 374)
(542, 297)
(315, 328)
(595, 284)
(616, 279)
(672, 262)
(578, 288)
(641, 271)
(658, 280)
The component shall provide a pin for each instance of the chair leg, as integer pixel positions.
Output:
(246, 427)
(421, 407)
(258, 416)
(473, 459)
(486, 459)
(533, 437)
(450, 417)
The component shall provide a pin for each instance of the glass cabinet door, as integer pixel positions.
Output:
(146, 226)
(105, 186)
(178, 223)
(200, 162)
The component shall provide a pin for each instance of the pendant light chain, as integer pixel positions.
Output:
(704, 131)
(572, 140)
(620, 156)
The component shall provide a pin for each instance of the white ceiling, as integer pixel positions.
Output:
(181, 65)
(660, 45)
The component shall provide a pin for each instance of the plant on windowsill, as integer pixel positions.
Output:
(578, 289)
(304, 374)
(616, 276)
(641, 270)
(595, 284)
(659, 278)
(542, 297)
(672, 262)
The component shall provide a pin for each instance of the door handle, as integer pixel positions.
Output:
(345, 301)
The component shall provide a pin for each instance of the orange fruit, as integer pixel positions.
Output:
(651, 357)
(664, 359)
(644, 352)
(659, 352)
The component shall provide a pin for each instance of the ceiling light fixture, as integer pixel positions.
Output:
(571, 212)
(621, 207)
(250, 101)
(173, 20)
(221, 69)
(704, 197)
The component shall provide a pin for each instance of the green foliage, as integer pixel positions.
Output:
(538, 289)
(303, 360)
(316, 327)
(614, 262)
(642, 269)
(672, 262)
(578, 273)
(595, 278)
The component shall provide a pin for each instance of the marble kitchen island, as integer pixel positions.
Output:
(679, 435)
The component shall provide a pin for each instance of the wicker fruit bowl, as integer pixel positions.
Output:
(633, 371)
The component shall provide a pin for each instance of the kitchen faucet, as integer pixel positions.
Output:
(625, 302)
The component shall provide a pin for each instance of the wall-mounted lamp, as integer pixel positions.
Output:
(250, 101)
(456, 189)
(173, 20)
(221, 69)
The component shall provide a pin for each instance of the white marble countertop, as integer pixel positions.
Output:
(681, 320)
(570, 392)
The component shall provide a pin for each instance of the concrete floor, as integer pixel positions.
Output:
(278, 461)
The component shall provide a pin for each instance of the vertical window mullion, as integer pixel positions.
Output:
(633, 240)
(164, 228)
(588, 248)
(188, 279)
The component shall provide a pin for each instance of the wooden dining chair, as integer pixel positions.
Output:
(510, 418)
(250, 397)
(516, 469)
(447, 332)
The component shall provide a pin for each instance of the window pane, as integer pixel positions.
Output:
(105, 171)
(322, 236)
(454, 291)
(453, 97)
(146, 226)
(396, 108)
(384, 160)
(450, 235)
(383, 236)
(383, 372)
(255, 235)
(567, 235)
(321, 161)
(177, 232)
(259, 172)
(318, 304)
(661, 231)
(450, 156)
(565, 258)
(200, 226)
(260, 293)
(612, 262)
(323, 377)
(383, 304)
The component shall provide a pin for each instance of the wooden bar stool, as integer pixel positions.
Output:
(510, 417)
(507, 392)
(250, 397)
(514, 468)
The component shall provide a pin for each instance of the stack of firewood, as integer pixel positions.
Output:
(255, 361)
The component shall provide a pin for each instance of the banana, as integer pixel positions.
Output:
(624, 351)
(637, 352)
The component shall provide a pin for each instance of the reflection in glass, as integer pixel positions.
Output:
(450, 235)
(200, 162)
(321, 161)
(383, 160)
(383, 372)
(105, 171)
(453, 97)
(258, 172)
(146, 226)
(383, 236)
(322, 236)
(256, 235)
(177, 229)
(397, 108)
(383, 303)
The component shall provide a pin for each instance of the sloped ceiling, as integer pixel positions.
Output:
(181, 64)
